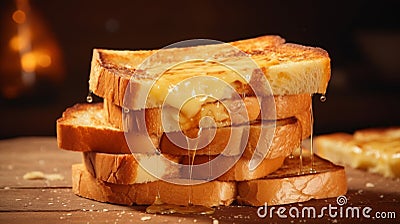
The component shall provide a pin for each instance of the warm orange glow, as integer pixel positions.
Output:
(28, 62)
(19, 16)
(43, 60)
(31, 52)
(17, 43)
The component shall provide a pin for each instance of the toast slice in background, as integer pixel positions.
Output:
(286, 185)
(376, 150)
(290, 69)
(84, 128)
(210, 194)
(371, 134)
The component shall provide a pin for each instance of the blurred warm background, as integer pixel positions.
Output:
(46, 49)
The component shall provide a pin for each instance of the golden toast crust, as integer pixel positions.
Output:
(289, 68)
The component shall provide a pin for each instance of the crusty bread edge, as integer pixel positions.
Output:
(293, 189)
(209, 194)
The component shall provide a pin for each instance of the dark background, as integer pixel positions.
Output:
(362, 38)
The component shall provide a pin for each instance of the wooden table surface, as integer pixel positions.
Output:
(45, 201)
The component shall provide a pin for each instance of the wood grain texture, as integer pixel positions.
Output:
(40, 201)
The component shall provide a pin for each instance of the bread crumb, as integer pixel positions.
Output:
(34, 175)
(18, 199)
(38, 175)
(381, 196)
(145, 218)
(369, 185)
(334, 221)
(215, 221)
(194, 220)
(6, 188)
(105, 210)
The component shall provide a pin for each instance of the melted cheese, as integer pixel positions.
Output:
(179, 86)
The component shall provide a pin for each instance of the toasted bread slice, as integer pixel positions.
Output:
(290, 69)
(287, 136)
(283, 186)
(113, 59)
(371, 134)
(375, 150)
(285, 107)
(84, 128)
(127, 169)
(208, 194)
(286, 185)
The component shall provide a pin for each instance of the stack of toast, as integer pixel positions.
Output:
(262, 149)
